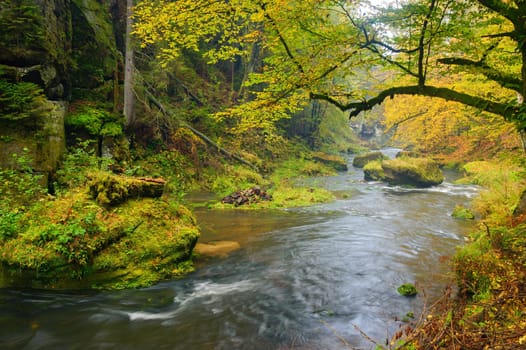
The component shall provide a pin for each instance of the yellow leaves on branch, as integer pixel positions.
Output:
(304, 41)
(185, 24)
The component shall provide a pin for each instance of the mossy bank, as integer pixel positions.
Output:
(75, 241)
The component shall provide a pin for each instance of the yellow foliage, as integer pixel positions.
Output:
(448, 130)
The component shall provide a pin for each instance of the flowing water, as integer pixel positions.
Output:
(308, 278)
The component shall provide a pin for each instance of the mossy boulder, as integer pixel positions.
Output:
(373, 171)
(74, 242)
(417, 172)
(360, 160)
(407, 290)
(334, 161)
(461, 212)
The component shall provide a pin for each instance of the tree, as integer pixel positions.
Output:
(302, 42)
(129, 67)
(313, 49)
(427, 38)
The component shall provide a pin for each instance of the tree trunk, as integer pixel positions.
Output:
(129, 97)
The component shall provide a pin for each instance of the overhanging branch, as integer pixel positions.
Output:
(355, 108)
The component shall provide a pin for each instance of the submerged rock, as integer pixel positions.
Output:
(219, 249)
(360, 160)
(249, 196)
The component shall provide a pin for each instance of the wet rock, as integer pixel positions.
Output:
(217, 249)
(248, 196)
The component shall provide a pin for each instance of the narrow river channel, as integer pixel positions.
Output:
(306, 278)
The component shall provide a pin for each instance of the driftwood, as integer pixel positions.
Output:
(251, 195)
(111, 190)
(199, 134)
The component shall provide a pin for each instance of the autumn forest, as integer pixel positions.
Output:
(145, 144)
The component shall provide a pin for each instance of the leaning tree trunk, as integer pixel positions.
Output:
(129, 97)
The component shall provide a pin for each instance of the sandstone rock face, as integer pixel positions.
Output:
(67, 48)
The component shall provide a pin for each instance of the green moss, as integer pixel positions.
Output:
(95, 120)
(74, 242)
(420, 172)
(373, 171)
(407, 289)
(461, 212)
(110, 189)
(334, 161)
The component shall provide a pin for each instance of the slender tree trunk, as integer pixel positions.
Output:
(129, 97)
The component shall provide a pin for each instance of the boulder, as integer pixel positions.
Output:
(216, 249)
(336, 162)
(461, 212)
(73, 242)
(417, 172)
(373, 171)
(360, 160)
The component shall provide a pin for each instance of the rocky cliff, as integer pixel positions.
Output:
(53, 52)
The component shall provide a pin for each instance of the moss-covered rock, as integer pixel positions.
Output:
(407, 290)
(360, 160)
(39, 136)
(461, 212)
(73, 242)
(373, 171)
(334, 161)
(417, 172)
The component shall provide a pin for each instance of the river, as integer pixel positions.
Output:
(307, 278)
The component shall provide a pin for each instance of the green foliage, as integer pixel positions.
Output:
(19, 101)
(234, 178)
(96, 121)
(21, 23)
(20, 185)
(73, 242)
(78, 164)
(9, 223)
(503, 182)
